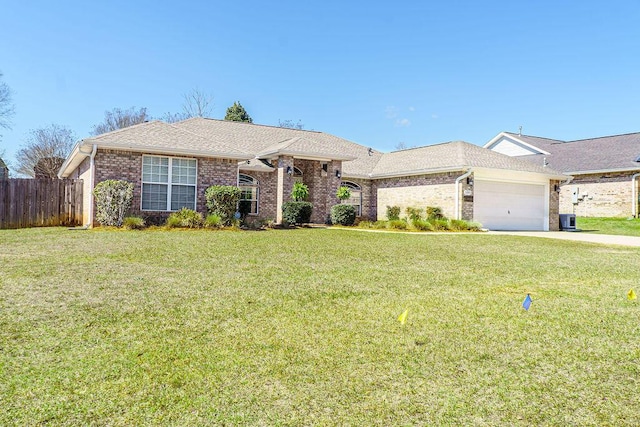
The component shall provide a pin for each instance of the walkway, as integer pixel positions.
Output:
(578, 236)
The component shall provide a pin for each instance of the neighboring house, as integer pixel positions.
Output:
(171, 165)
(605, 170)
(4, 170)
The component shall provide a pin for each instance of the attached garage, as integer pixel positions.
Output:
(501, 205)
(468, 182)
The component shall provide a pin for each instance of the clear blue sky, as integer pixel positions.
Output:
(377, 73)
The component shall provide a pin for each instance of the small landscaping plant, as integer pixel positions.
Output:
(213, 221)
(113, 199)
(299, 192)
(134, 223)
(343, 214)
(185, 218)
(343, 193)
(422, 225)
(414, 214)
(393, 213)
(296, 212)
(397, 224)
(434, 212)
(222, 200)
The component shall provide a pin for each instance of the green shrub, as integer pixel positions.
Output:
(296, 212)
(343, 214)
(133, 223)
(440, 224)
(213, 221)
(414, 214)
(365, 224)
(393, 213)
(397, 224)
(222, 200)
(113, 199)
(458, 225)
(343, 193)
(434, 212)
(299, 192)
(422, 225)
(185, 218)
(474, 226)
(379, 225)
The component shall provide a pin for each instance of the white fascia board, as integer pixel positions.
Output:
(516, 139)
(74, 159)
(590, 172)
(418, 172)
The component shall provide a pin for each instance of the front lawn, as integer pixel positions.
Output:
(617, 226)
(299, 327)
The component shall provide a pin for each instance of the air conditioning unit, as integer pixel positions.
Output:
(567, 222)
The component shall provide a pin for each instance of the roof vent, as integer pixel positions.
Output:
(544, 162)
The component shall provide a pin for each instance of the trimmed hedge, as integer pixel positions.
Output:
(296, 212)
(343, 214)
(222, 200)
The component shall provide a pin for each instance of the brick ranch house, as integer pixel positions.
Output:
(171, 166)
(605, 170)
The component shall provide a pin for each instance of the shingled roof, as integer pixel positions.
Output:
(270, 140)
(608, 153)
(451, 156)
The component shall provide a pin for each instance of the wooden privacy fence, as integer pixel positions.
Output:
(40, 202)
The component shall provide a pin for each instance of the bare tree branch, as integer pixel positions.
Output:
(197, 103)
(119, 118)
(44, 151)
(290, 124)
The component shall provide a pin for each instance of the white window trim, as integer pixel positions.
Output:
(257, 185)
(352, 186)
(169, 183)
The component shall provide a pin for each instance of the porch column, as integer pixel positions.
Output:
(284, 185)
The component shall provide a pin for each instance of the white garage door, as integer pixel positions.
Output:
(509, 206)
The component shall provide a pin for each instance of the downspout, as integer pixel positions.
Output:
(634, 192)
(457, 198)
(92, 183)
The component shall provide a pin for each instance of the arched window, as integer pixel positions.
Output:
(249, 196)
(356, 196)
(297, 175)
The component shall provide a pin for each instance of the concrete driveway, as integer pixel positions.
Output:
(578, 236)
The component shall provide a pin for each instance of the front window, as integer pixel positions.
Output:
(249, 195)
(168, 183)
(356, 196)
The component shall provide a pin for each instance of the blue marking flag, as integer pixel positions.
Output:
(527, 302)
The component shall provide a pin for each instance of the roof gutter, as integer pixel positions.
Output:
(457, 197)
(634, 192)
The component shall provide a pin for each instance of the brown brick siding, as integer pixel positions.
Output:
(126, 165)
(554, 206)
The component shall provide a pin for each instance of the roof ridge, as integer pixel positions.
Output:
(252, 124)
(115, 131)
(606, 136)
(534, 136)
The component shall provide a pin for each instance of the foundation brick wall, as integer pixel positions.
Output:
(126, 165)
(601, 195)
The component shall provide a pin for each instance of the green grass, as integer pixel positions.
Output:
(617, 226)
(299, 327)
